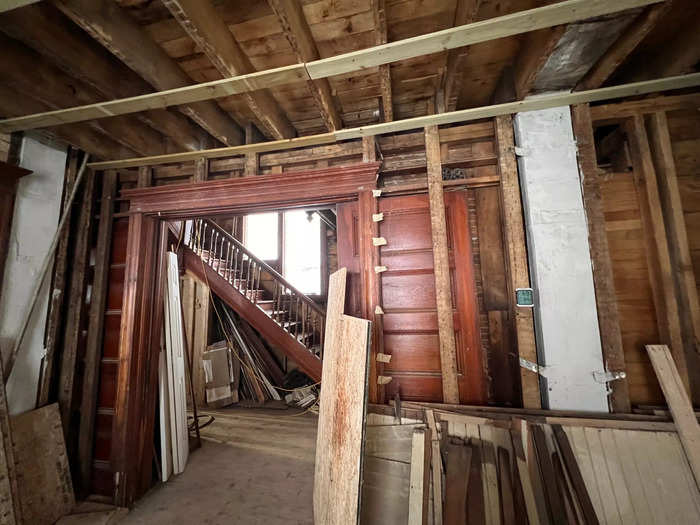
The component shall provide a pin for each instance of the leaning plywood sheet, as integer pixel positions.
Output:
(44, 482)
(343, 405)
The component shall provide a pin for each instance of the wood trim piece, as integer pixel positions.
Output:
(606, 300)
(658, 256)
(516, 256)
(105, 23)
(681, 262)
(273, 191)
(443, 286)
(94, 344)
(464, 115)
(616, 111)
(679, 404)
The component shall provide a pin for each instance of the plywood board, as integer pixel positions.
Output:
(343, 405)
(44, 481)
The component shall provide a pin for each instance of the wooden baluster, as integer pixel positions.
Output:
(296, 317)
(227, 269)
(257, 287)
(221, 257)
(235, 265)
(203, 242)
(304, 313)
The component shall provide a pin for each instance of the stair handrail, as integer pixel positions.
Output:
(266, 267)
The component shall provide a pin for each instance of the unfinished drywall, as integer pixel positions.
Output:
(34, 223)
(565, 312)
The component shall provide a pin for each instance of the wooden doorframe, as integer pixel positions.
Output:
(140, 333)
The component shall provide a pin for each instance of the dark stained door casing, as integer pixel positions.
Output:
(408, 295)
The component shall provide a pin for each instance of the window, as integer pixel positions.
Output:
(261, 235)
(302, 251)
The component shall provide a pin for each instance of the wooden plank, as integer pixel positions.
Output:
(489, 461)
(679, 404)
(681, 261)
(391, 442)
(626, 43)
(441, 265)
(378, 8)
(661, 277)
(459, 461)
(200, 339)
(10, 506)
(75, 312)
(94, 343)
(208, 30)
(419, 489)
(54, 323)
(116, 30)
(555, 504)
(530, 490)
(464, 115)
(343, 403)
(506, 487)
(436, 467)
(122, 36)
(605, 296)
(298, 33)
(616, 111)
(516, 257)
(569, 460)
(45, 488)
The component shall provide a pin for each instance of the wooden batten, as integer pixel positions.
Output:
(448, 357)
(606, 301)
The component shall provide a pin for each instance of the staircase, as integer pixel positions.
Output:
(282, 314)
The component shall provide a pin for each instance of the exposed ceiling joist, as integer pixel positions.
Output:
(107, 23)
(206, 28)
(298, 33)
(464, 115)
(381, 37)
(48, 84)
(516, 23)
(84, 136)
(623, 46)
(465, 13)
(537, 47)
(46, 30)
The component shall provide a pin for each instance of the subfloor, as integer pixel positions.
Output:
(256, 466)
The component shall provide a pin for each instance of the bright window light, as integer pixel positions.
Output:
(302, 251)
(261, 235)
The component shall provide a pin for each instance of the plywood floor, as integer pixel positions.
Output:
(256, 466)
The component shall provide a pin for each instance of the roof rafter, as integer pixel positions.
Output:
(204, 25)
(298, 33)
(107, 23)
(516, 23)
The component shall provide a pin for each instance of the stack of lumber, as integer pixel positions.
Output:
(260, 374)
(428, 463)
(497, 466)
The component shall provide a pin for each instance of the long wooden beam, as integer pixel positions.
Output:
(207, 29)
(298, 33)
(112, 27)
(486, 30)
(464, 115)
(378, 8)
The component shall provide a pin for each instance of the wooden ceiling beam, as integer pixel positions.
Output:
(465, 13)
(487, 30)
(298, 33)
(536, 48)
(205, 26)
(83, 136)
(623, 47)
(381, 37)
(48, 84)
(463, 115)
(46, 30)
(112, 27)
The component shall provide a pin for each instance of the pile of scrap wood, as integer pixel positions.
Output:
(260, 375)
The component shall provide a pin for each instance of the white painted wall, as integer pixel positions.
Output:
(34, 223)
(566, 320)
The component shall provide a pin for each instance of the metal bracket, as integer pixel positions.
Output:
(534, 367)
(521, 152)
(606, 377)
